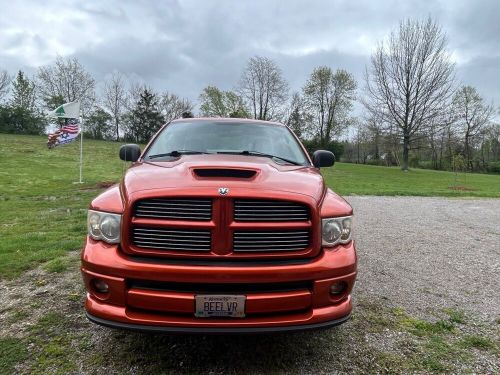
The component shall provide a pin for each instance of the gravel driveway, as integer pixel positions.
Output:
(429, 253)
(426, 300)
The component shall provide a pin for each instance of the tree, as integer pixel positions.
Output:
(67, 78)
(472, 115)
(20, 115)
(264, 88)
(19, 120)
(5, 80)
(219, 103)
(172, 107)
(98, 124)
(145, 118)
(115, 96)
(296, 116)
(329, 97)
(23, 92)
(410, 79)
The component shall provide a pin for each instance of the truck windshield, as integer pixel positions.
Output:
(244, 138)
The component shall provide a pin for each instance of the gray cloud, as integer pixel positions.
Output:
(182, 46)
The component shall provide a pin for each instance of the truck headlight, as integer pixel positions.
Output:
(104, 226)
(336, 230)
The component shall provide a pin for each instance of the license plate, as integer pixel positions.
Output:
(229, 306)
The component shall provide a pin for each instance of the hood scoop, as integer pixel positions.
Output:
(224, 173)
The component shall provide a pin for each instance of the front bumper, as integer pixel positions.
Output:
(131, 307)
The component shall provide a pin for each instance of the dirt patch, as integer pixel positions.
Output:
(461, 188)
(99, 185)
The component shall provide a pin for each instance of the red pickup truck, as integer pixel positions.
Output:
(220, 226)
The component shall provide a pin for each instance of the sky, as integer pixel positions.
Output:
(183, 46)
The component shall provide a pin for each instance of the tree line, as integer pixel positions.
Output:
(415, 114)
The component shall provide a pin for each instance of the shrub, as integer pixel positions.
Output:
(313, 144)
(425, 164)
(493, 167)
(379, 162)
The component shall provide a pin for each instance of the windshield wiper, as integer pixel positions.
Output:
(177, 153)
(258, 153)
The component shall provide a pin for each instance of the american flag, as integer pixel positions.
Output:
(66, 134)
(71, 129)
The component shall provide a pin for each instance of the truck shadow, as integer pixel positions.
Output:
(263, 353)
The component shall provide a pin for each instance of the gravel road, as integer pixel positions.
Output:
(424, 254)
(419, 259)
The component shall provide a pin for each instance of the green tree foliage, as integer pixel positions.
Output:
(329, 98)
(144, 119)
(23, 92)
(99, 124)
(316, 144)
(219, 103)
(19, 120)
(20, 115)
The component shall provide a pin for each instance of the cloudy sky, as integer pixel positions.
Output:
(183, 46)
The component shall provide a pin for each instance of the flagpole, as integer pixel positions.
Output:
(81, 147)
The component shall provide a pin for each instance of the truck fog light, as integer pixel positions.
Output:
(338, 288)
(100, 285)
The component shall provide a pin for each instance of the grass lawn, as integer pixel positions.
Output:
(359, 179)
(42, 211)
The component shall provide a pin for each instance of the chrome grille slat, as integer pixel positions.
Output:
(274, 233)
(179, 208)
(257, 210)
(175, 209)
(167, 237)
(172, 239)
(268, 214)
(274, 245)
(178, 200)
(265, 242)
(270, 241)
(156, 246)
(143, 238)
(164, 230)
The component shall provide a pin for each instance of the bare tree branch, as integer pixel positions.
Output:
(410, 79)
(171, 106)
(471, 116)
(68, 79)
(115, 97)
(5, 80)
(263, 86)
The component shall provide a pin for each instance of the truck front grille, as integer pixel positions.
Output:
(175, 209)
(270, 241)
(269, 210)
(219, 228)
(172, 239)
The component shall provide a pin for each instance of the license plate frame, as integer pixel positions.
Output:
(219, 305)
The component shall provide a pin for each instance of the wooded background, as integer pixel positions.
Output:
(414, 112)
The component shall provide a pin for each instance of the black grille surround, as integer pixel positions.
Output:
(252, 210)
(172, 239)
(197, 209)
(270, 241)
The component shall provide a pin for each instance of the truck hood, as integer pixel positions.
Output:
(214, 171)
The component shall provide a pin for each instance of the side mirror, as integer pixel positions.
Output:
(130, 152)
(323, 158)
